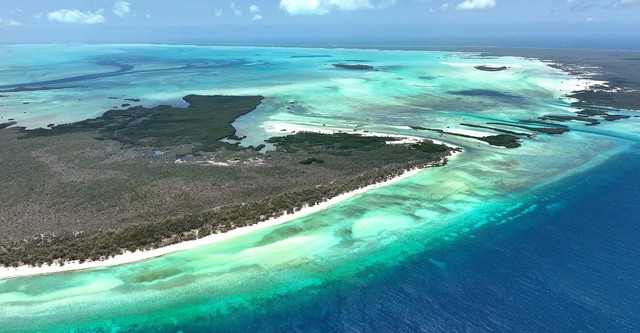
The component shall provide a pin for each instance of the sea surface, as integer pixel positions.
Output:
(541, 238)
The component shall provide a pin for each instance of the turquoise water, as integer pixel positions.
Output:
(263, 277)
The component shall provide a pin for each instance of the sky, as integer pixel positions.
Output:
(538, 23)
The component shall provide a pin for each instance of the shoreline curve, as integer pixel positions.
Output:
(138, 256)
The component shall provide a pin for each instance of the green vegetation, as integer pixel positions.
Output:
(7, 124)
(86, 198)
(311, 160)
(103, 244)
(605, 115)
(491, 68)
(500, 140)
(370, 148)
(612, 117)
(418, 128)
(555, 129)
(561, 118)
(207, 120)
(499, 130)
(333, 142)
(430, 148)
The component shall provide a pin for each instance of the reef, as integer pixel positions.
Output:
(552, 129)
(603, 114)
(562, 118)
(23, 89)
(7, 124)
(355, 67)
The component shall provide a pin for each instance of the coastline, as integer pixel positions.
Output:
(137, 256)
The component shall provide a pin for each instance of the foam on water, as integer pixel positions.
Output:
(483, 186)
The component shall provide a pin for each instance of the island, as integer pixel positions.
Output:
(28, 89)
(489, 68)
(144, 178)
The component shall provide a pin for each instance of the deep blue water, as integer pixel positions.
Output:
(570, 265)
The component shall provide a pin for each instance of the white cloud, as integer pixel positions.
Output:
(476, 4)
(77, 17)
(589, 20)
(218, 11)
(236, 10)
(625, 3)
(38, 16)
(255, 13)
(148, 15)
(122, 8)
(303, 7)
(13, 23)
(323, 7)
(445, 5)
(351, 5)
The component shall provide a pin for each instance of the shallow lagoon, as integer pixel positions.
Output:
(337, 253)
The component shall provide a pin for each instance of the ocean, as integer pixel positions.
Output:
(538, 238)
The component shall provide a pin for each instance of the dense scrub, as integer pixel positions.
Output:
(207, 120)
(72, 197)
(103, 244)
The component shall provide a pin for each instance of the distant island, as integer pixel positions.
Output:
(488, 68)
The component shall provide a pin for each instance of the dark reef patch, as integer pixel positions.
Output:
(487, 68)
(354, 67)
(484, 93)
(553, 129)
(499, 130)
(26, 89)
(500, 140)
(7, 124)
(605, 115)
(311, 56)
(562, 118)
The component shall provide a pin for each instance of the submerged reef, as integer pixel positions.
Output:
(7, 124)
(23, 89)
(355, 66)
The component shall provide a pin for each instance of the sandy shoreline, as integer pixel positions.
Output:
(131, 257)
